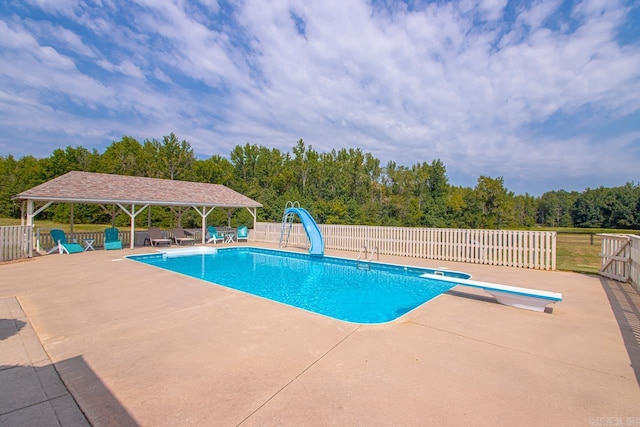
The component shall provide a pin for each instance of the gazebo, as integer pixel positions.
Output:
(132, 194)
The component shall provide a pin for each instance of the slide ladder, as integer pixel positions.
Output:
(316, 241)
(287, 223)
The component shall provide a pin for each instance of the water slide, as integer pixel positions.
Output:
(312, 229)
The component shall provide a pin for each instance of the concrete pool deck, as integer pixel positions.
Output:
(136, 345)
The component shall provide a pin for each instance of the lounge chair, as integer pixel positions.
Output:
(156, 237)
(180, 237)
(213, 236)
(242, 234)
(62, 245)
(111, 239)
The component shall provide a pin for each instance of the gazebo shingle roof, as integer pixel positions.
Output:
(88, 187)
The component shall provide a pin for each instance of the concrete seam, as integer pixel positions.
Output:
(298, 375)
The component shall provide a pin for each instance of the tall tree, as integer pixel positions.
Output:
(496, 202)
(169, 159)
(124, 157)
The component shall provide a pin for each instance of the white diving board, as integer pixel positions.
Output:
(529, 299)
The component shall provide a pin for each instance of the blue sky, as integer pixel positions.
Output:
(543, 93)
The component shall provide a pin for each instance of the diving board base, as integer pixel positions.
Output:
(519, 301)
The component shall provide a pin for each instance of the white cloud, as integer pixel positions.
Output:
(67, 39)
(126, 67)
(406, 84)
(62, 7)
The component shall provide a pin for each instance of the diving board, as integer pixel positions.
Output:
(529, 299)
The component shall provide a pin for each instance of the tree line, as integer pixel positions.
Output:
(345, 186)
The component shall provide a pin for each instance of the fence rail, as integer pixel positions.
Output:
(525, 249)
(15, 242)
(621, 258)
(634, 264)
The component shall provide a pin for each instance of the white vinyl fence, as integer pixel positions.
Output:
(15, 242)
(621, 258)
(525, 249)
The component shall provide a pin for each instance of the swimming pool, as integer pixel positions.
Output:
(330, 286)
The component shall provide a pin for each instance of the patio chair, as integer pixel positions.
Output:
(156, 237)
(111, 239)
(213, 236)
(180, 236)
(62, 245)
(242, 234)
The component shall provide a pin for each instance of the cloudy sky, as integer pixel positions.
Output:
(543, 93)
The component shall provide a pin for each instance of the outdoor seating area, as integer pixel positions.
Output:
(63, 246)
(180, 236)
(156, 237)
(226, 234)
(112, 239)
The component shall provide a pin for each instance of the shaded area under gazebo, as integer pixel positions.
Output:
(132, 195)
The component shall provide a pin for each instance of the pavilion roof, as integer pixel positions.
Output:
(89, 187)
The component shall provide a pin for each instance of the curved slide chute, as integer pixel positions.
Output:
(312, 229)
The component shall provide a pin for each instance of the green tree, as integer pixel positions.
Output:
(70, 159)
(214, 170)
(169, 159)
(124, 157)
(554, 208)
(496, 202)
(618, 206)
(586, 209)
(525, 207)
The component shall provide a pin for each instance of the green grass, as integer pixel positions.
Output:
(577, 249)
(578, 252)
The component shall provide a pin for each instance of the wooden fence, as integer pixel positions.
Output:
(525, 249)
(621, 258)
(15, 242)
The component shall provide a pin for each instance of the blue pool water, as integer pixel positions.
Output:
(330, 286)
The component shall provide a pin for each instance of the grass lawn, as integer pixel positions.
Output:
(577, 249)
(578, 252)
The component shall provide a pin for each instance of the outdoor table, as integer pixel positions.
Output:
(88, 244)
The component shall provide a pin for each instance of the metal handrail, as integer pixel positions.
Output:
(359, 262)
(377, 254)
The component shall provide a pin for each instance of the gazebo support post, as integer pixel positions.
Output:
(31, 214)
(71, 219)
(133, 214)
(252, 211)
(204, 213)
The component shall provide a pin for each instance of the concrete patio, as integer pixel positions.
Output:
(136, 345)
